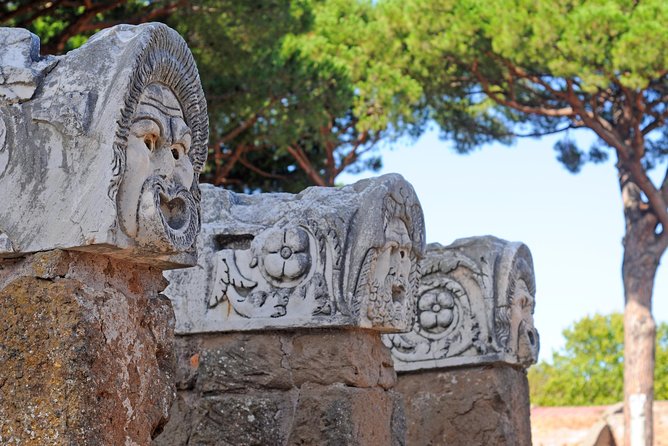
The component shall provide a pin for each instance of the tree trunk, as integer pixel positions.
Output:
(638, 270)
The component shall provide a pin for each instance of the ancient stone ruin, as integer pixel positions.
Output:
(462, 368)
(317, 277)
(310, 318)
(100, 153)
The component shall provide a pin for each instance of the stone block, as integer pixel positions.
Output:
(244, 420)
(475, 305)
(339, 415)
(354, 358)
(101, 148)
(260, 388)
(470, 406)
(325, 257)
(83, 361)
(239, 362)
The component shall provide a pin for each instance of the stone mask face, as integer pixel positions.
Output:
(394, 263)
(390, 277)
(523, 336)
(156, 206)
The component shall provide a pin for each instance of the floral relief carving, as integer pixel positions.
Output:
(326, 257)
(272, 276)
(435, 310)
(475, 305)
(286, 254)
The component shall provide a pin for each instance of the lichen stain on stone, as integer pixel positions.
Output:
(39, 398)
(84, 359)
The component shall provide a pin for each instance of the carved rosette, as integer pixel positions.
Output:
(323, 258)
(475, 306)
(282, 268)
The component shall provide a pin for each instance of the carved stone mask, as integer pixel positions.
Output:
(156, 206)
(394, 261)
(523, 335)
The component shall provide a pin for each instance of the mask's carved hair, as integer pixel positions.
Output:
(165, 59)
(521, 269)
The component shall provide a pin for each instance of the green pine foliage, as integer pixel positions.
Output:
(495, 69)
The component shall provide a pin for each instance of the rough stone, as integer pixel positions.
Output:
(83, 161)
(236, 362)
(241, 362)
(339, 415)
(472, 406)
(286, 387)
(475, 306)
(325, 257)
(248, 419)
(86, 353)
(356, 359)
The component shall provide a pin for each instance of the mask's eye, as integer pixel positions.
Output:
(149, 141)
(178, 150)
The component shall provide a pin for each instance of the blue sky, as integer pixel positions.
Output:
(573, 224)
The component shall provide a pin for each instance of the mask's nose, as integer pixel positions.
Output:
(163, 162)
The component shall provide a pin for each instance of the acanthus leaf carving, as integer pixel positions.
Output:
(311, 259)
(474, 306)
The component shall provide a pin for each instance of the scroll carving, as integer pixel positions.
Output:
(324, 257)
(475, 305)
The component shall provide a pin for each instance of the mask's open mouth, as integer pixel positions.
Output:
(168, 217)
(175, 211)
(398, 289)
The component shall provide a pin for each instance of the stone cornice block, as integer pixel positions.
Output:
(475, 306)
(88, 158)
(325, 257)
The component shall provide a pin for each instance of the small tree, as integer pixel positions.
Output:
(590, 368)
(496, 69)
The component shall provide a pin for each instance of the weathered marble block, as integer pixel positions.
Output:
(475, 306)
(101, 149)
(462, 369)
(326, 257)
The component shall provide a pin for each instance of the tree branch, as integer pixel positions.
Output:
(250, 166)
(224, 165)
(76, 25)
(655, 198)
(301, 158)
(43, 11)
(149, 16)
(542, 111)
(354, 155)
(25, 7)
(658, 122)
